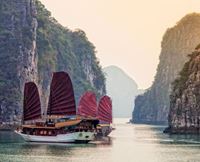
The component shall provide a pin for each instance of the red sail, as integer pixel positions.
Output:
(61, 99)
(32, 105)
(88, 105)
(105, 110)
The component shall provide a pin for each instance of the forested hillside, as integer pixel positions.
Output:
(33, 45)
(177, 43)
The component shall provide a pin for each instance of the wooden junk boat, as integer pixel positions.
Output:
(60, 123)
(89, 109)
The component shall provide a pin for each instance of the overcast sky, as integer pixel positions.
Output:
(126, 33)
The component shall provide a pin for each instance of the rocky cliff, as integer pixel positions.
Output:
(60, 49)
(184, 115)
(177, 43)
(32, 46)
(122, 90)
(18, 62)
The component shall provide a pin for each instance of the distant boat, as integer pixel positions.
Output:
(61, 123)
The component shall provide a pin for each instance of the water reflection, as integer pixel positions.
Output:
(9, 137)
(12, 144)
(137, 143)
(185, 139)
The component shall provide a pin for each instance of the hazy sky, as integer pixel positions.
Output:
(126, 33)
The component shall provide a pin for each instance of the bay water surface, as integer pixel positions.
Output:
(128, 143)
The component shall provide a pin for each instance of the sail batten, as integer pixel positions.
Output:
(88, 105)
(32, 105)
(61, 99)
(105, 110)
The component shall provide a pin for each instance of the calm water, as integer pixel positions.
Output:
(128, 143)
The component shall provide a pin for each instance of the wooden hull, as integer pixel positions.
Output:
(105, 130)
(76, 137)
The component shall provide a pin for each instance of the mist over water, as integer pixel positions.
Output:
(128, 143)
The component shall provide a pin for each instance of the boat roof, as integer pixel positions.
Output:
(39, 127)
(104, 125)
(67, 123)
(86, 118)
(57, 125)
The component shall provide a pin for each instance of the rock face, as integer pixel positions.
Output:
(177, 43)
(122, 90)
(18, 62)
(184, 115)
(60, 49)
(33, 45)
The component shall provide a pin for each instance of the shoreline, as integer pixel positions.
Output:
(8, 127)
(182, 131)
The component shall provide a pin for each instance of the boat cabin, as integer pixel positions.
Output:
(61, 126)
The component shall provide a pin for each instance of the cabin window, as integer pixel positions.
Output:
(49, 132)
(45, 132)
(41, 132)
(53, 133)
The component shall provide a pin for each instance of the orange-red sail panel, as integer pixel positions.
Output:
(88, 105)
(105, 110)
(61, 99)
(32, 105)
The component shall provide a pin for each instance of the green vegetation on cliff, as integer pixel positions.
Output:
(33, 45)
(184, 114)
(16, 37)
(61, 49)
(177, 43)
